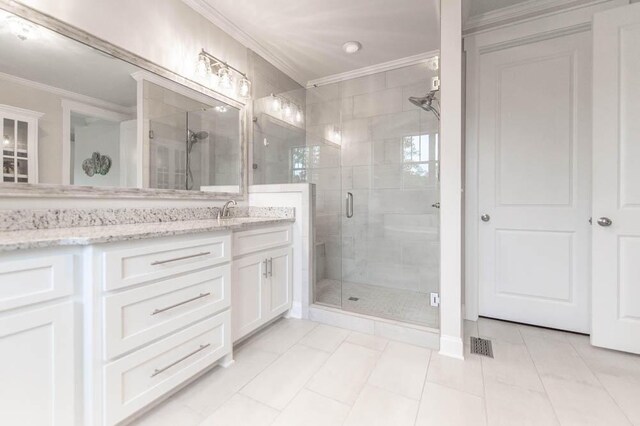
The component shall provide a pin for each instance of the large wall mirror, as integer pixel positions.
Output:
(73, 115)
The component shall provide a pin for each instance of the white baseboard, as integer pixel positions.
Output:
(452, 347)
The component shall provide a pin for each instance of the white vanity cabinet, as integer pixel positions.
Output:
(37, 351)
(262, 275)
(160, 316)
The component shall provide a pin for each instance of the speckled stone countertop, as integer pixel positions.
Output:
(27, 234)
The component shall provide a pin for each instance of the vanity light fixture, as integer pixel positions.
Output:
(21, 28)
(221, 109)
(287, 110)
(222, 75)
(298, 116)
(276, 103)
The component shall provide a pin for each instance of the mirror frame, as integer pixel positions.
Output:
(88, 39)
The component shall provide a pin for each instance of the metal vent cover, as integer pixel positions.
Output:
(354, 299)
(481, 346)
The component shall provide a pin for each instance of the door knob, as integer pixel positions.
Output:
(604, 221)
(485, 217)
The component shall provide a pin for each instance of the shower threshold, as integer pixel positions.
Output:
(418, 335)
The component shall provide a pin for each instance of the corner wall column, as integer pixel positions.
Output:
(451, 343)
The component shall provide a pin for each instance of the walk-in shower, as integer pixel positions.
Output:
(373, 153)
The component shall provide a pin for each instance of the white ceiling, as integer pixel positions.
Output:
(306, 36)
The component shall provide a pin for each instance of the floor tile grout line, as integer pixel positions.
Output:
(595, 374)
(553, 406)
(424, 385)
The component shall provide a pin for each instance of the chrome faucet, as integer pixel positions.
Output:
(224, 211)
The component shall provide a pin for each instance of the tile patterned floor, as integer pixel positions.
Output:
(384, 302)
(302, 373)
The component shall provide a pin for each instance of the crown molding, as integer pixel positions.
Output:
(530, 9)
(222, 22)
(374, 69)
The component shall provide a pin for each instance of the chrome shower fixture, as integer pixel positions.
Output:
(429, 102)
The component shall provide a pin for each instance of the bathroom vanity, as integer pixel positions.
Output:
(100, 322)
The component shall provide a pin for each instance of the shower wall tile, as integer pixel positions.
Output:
(356, 130)
(324, 113)
(347, 178)
(399, 124)
(362, 85)
(387, 176)
(361, 177)
(323, 93)
(409, 76)
(378, 103)
(356, 154)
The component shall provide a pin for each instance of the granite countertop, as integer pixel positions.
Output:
(20, 240)
(100, 226)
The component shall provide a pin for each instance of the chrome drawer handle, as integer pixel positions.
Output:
(162, 370)
(266, 266)
(162, 262)
(157, 311)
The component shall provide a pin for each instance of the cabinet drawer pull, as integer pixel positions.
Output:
(162, 370)
(157, 311)
(271, 266)
(162, 262)
(266, 273)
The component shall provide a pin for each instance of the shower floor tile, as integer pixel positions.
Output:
(390, 303)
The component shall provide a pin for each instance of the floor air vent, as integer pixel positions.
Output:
(481, 347)
(354, 299)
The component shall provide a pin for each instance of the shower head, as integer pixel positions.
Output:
(198, 136)
(195, 137)
(429, 102)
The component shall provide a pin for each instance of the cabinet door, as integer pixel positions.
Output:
(247, 292)
(278, 299)
(37, 367)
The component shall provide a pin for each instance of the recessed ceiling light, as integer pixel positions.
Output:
(352, 46)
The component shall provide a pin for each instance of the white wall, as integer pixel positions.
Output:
(102, 137)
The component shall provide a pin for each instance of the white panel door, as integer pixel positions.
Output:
(616, 180)
(534, 182)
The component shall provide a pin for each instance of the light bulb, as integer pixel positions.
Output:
(276, 103)
(22, 29)
(287, 110)
(203, 67)
(221, 109)
(245, 88)
(226, 82)
(299, 116)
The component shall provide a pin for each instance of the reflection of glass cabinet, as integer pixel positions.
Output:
(19, 130)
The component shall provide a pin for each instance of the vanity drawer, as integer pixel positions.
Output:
(139, 316)
(136, 380)
(35, 280)
(246, 242)
(140, 262)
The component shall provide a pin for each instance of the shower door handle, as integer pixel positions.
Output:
(349, 203)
